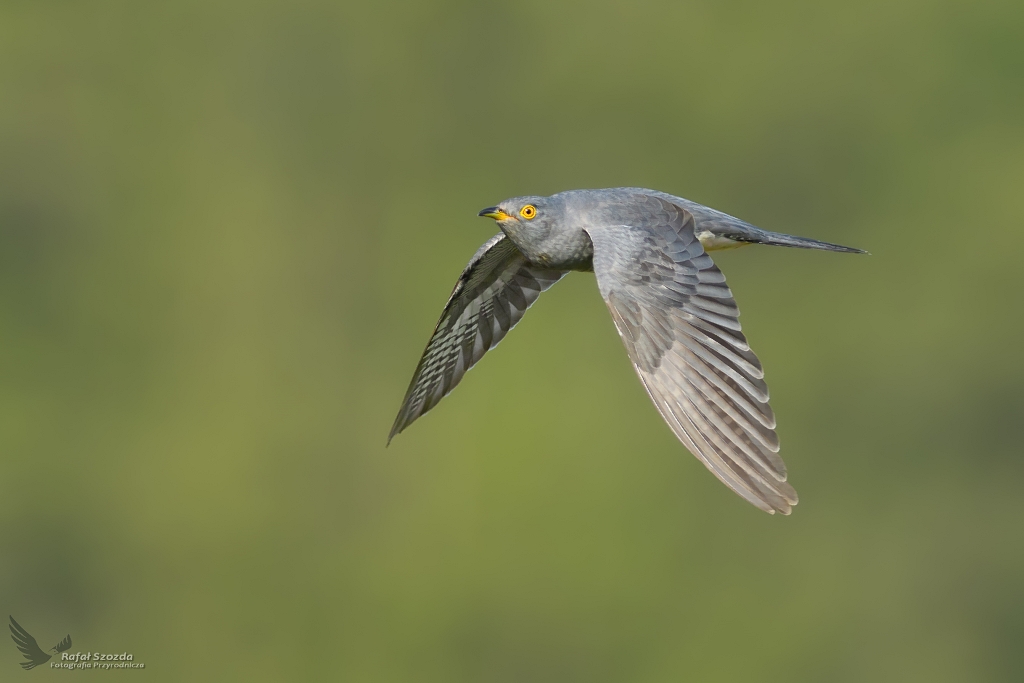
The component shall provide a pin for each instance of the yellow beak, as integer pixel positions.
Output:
(495, 213)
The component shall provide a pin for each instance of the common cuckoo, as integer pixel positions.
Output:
(670, 303)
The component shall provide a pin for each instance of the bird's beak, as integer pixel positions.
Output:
(495, 213)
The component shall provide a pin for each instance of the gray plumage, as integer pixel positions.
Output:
(670, 304)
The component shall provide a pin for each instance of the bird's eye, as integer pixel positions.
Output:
(528, 211)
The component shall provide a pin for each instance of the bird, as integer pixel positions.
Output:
(30, 648)
(670, 304)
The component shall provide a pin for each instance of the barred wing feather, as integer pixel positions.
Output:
(679, 323)
(490, 297)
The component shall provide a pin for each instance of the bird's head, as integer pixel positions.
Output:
(534, 214)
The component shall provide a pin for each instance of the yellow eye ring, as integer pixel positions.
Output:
(528, 211)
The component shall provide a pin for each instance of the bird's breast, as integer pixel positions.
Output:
(565, 250)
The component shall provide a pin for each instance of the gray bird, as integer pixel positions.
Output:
(670, 304)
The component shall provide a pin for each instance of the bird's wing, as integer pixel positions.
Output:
(27, 645)
(491, 296)
(679, 323)
(64, 644)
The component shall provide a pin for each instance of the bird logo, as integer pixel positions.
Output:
(30, 648)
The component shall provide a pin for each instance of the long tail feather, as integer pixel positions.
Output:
(779, 239)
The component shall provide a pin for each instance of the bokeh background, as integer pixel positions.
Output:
(228, 228)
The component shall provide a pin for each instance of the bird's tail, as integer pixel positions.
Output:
(778, 239)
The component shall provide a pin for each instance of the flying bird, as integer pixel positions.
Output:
(30, 648)
(670, 304)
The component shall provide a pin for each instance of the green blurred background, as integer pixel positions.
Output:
(228, 228)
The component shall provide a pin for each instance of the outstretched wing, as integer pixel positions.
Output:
(491, 296)
(27, 645)
(678, 321)
(64, 644)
